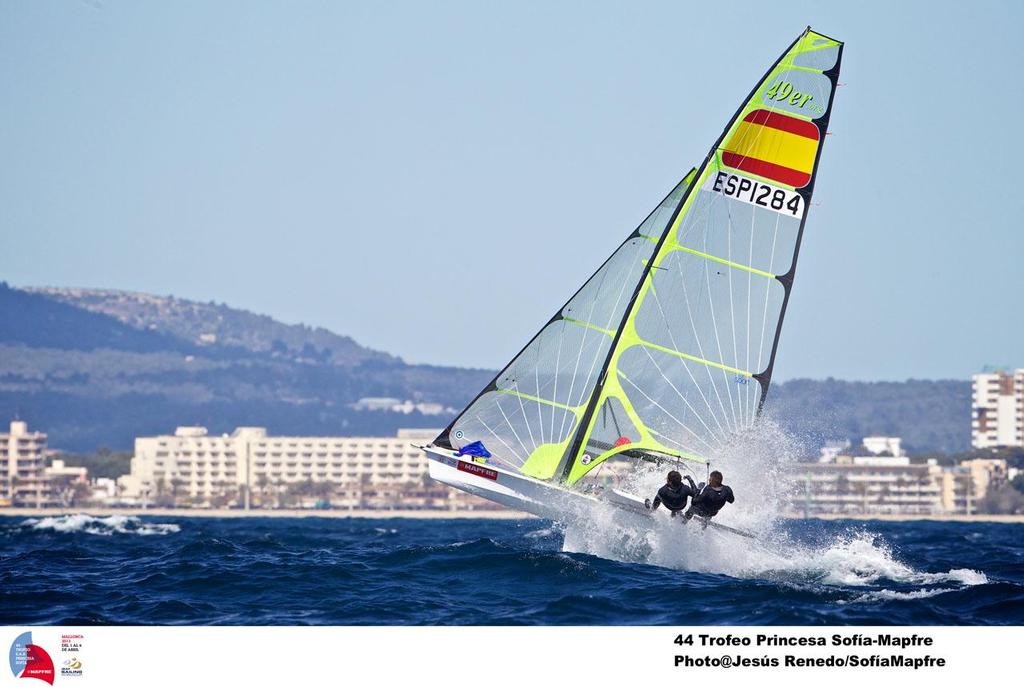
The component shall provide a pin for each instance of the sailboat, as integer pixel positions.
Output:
(665, 354)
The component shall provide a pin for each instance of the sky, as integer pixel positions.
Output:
(436, 179)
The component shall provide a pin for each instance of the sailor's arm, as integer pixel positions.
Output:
(729, 498)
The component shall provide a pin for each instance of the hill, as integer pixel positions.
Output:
(99, 367)
(930, 415)
(212, 325)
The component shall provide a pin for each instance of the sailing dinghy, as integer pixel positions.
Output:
(665, 354)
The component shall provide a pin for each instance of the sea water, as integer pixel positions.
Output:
(80, 569)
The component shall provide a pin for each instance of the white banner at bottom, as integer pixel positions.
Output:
(114, 656)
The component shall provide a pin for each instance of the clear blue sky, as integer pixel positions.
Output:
(434, 179)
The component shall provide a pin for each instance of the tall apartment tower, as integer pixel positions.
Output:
(23, 481)
(998, 409)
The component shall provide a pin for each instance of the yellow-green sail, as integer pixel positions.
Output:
(669, 346)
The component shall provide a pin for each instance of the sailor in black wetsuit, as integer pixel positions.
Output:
(709, 498)
(673, 494)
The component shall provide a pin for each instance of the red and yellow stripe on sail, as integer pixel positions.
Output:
(774, 146)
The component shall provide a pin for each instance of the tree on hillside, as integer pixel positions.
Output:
(1018, 482)
(1002, 499)
(262, 483)
(103, 463)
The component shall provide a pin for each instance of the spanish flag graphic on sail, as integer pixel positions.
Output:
(774, 146)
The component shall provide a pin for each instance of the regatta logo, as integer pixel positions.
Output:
(71, 667)
(29, 660)
(478, 470)
(784, 91)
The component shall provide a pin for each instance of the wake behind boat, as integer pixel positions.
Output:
(665, 354)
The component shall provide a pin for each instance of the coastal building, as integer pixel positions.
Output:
(867, 484)
(66, 483)
(965, 485)
(104, 490)
(832, 449)
(395, 405)
(997, 413)
(884, 446)
(249, 467)
(889, 482)
(23, 480)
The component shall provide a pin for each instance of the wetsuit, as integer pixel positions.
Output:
(673, 498)
(708, 501)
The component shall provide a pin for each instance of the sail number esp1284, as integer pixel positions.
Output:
(759, 193)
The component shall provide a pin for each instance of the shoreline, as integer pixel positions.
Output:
(440, 514)
(1006, 518)
(275, 513)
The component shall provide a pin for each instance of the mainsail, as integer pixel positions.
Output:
(669, 347)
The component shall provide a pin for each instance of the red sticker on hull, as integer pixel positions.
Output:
(478, 470)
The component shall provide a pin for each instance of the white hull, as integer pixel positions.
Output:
(519, 492)
(544, 499)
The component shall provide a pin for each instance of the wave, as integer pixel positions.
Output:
(893, 595)
(852, 559)
(859, 559)
(103, 526)
(299, 571)
(542, 533)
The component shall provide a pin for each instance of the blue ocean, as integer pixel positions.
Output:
(80, 570)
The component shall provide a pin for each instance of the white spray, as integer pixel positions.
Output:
(753, 466)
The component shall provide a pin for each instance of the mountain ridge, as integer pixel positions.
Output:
(207, 324)
(97, 367)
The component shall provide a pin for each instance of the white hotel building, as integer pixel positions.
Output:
(22, 465)
(249, 464)
(887, 481)
(997, 403)
(25, 479)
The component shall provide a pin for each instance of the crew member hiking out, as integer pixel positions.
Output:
(709, 498)
(673, 493)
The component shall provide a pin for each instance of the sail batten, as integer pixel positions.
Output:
(669, 347)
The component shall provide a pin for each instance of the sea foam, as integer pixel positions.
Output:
(103, 526)
(753, 467)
